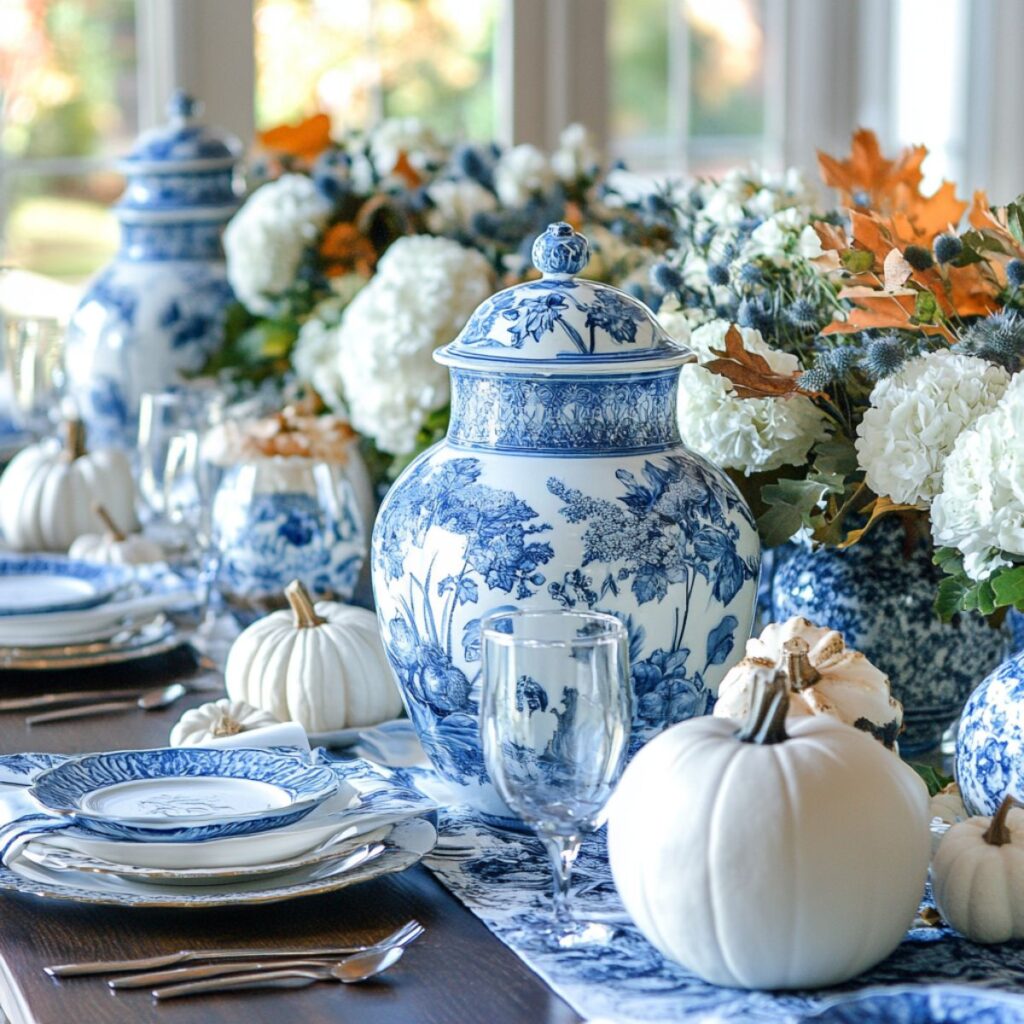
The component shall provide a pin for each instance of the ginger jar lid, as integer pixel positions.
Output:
(562, 323)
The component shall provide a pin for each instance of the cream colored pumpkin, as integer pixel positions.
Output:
(322, 667)
(978, 876)
(115, 547)
(47, 493)
(826, 678)
(216, 720)
(784, 854)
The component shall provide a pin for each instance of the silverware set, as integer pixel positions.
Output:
(234, 969)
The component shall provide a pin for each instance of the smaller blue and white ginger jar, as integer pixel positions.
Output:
(562, 483)
(156, 312)
(285, 518)
(990, 740)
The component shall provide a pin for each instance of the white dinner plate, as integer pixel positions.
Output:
(43, 584)
(409, 843)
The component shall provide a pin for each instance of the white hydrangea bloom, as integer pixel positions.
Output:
(456, 203)
(315, 355)
(679, 322)
(980, 509)
(520, 172)
(576, 155)
(423, 292)
(409, 135)
(748, 434)
(265, 240)
(915, 418)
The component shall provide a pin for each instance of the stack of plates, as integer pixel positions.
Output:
(57, 612)
(193, 827)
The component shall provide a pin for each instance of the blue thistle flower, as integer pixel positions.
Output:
(919, 257)
(1015, 273)
(665, 277)
(802, 315)
(470, 162)
(755, 313)
(656, 204)
(861, 197)
(331, 174)
(706, 237)
(837, 362)
(947, 248)
(814, 379)
(718, 274)
(748, 224)
(998, 338)
(884, 356)
(751, 275)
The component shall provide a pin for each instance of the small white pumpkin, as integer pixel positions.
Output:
(47, 492)
(216, 720)
(783, 854)
(978, 875)
(115, 547)
(322, 667)
(825, 678)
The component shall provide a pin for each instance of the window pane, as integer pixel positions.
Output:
(360, 60)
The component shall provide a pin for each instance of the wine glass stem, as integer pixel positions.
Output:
(563, 851)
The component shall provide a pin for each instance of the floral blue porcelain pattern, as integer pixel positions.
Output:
(881, 600)
(990, 739)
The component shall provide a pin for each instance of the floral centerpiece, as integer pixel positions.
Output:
(361, 256)
(859, 363)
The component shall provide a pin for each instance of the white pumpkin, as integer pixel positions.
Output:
(47, 492)
(783, 854)
(978, 876)
(322, 667)
(218, 719)
(115, 547)
(826, 678)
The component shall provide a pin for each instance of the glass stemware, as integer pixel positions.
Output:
(33, 353)
(555, 721)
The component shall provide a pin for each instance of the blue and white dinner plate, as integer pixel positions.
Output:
(184, 794)
(938, 1004)
(35, 584)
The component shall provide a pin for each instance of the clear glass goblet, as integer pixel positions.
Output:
(555, 719)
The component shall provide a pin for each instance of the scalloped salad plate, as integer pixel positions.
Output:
(33, 585)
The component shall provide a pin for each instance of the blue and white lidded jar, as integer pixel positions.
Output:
(562, 482)
(294, 503)
(156, 312)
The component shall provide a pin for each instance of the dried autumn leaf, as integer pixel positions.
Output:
(934, 214)
(749, 373)
(303, 141)
(345, 250)
(877, 510)
(866, 178)
(896, 271)
(878, 310)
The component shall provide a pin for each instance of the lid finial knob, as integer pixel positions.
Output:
(560, 250)
(183, 107)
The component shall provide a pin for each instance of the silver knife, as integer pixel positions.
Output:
(46, 700)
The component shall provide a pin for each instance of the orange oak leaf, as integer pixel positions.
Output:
(934, 214)
(749, 373)
(875, 511)
(866, 179)
(303, 141)
(345, 250)
(879, 310)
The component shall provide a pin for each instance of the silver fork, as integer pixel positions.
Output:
(185, 956)
(400, 939)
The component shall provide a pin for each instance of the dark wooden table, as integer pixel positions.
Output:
(457, 973)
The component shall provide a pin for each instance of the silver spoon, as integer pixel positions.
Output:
(349, 971)
(151, 700)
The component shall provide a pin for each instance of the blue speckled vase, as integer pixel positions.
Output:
(990, 739)
(880, 597)
(156, 312)
(562, 483)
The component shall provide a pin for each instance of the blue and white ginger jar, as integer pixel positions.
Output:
(562, 483)
(156, 312)
(880, 595)
(990, 740)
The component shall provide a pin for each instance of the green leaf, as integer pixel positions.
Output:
(949, 559)
(835, 457)
(1008, 587)
(925, 307)
(269, 339)
(857, 261)
(933, 778)
(790, 505)
(950, 599)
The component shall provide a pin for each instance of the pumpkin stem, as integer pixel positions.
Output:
(797, 664)
(766, 723)
(227, 726)
(998, 832)
(74, 439)
(115, 531)
(302, 605)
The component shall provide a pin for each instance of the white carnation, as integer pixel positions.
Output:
(915, 418)
(455, 203)
(265, 240)
(521, 172)
(980, 509)
(576, 156)
(749, 434)
(423, 292)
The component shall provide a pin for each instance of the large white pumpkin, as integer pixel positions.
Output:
(48, 491)
(322, 667)
(779, 855)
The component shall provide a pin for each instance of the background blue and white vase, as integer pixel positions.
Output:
(284, 518)
(880, 596)
(990, 740)
(562, 483)
(156, 312)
